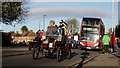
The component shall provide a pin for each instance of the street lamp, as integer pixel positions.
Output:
(39, 25)
(113, 17)
(44, 22)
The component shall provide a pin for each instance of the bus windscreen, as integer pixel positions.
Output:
(90, 37)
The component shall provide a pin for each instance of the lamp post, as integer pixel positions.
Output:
(113, 17)
(39, 25)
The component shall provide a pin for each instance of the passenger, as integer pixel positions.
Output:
(63, 30)
(69, 34)
(52, 29)
(106, 41)
(38, 32)
(62, 27)
(113, 42)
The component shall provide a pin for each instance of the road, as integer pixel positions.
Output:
(27, 60)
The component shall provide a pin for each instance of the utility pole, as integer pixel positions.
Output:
(113, 22)
(39, 25)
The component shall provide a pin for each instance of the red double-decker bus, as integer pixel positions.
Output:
(91, 33)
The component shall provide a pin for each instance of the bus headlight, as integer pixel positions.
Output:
(96, 44)
(81, 43)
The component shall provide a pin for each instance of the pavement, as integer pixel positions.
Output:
(118, 52)
(104, 60)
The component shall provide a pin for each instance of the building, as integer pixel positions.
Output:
(26, 36)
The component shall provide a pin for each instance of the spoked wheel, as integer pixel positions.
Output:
(36, 51)
(69, 54)
(59, 54)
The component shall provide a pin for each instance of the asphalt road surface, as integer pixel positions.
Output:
(27, 60)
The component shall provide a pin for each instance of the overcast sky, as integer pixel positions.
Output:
(65, 10)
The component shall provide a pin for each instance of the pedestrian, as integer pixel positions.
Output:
(106, 41)
(113, 42)
(119, 39)
(42, 33)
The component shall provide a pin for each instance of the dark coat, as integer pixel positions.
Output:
(52, 30)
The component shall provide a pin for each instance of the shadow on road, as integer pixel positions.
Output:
(84, 56)
(73, 54)
(91, 49)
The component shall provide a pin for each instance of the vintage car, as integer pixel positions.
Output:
(52, 44)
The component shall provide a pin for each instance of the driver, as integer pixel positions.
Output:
(52, 28)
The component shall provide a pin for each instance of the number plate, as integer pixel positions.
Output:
(88, 47)
(50, 45)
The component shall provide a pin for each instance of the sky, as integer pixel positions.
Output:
(65, 10)
(119, 12)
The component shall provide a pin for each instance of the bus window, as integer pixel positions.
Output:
(90, 21)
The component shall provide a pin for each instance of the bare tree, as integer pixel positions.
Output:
(72, 25)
